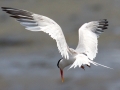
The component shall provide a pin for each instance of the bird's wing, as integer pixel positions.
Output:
(35, 22)
(88, 34)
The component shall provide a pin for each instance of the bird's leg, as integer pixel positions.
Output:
(88, 66)
(83, 67)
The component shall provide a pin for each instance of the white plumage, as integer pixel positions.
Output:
(88, 33)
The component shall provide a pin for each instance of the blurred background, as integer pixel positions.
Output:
(28, 60)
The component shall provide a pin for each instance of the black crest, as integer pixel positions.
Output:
(58, 62)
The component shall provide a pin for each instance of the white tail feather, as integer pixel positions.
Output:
(97, 64)
(82, 59)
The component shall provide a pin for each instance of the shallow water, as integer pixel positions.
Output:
(28, 60)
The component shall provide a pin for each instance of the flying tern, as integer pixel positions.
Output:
(88, 34)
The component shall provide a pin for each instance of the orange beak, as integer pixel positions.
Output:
(61, 72)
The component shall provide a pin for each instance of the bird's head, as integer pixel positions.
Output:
(61, 67)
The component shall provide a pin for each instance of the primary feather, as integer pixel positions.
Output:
(35, 22)
(87, 45)
(88, 34)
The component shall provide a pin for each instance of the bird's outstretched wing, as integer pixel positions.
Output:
(88, 34)
(35, 22)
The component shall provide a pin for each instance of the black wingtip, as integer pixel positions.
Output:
(105, 28)
(7, 9)
(103, 24)
(18, 13)
(4, 8)
(103, 21)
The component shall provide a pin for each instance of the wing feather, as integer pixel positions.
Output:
(88, 34)
(35, 22)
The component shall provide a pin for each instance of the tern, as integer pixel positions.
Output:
(86, 49)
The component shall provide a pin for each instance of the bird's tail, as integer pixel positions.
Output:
(82, 60)
(97, 64)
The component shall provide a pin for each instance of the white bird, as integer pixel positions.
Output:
(87, 45)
